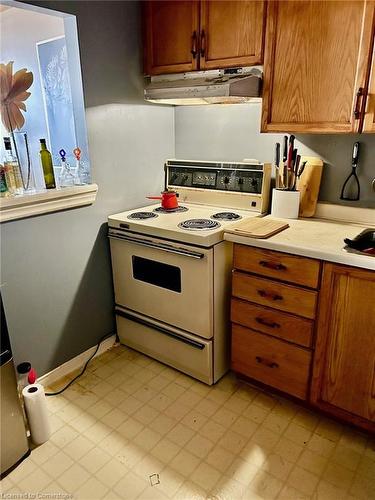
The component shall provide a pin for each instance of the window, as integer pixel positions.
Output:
(49, 103)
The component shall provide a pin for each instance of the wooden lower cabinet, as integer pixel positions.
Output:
(344, 363)
(316, 345)
(271, 361)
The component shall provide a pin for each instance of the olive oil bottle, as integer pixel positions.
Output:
(46, 160)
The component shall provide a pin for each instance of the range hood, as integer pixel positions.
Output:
(230, 86)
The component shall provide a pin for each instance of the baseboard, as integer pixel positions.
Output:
(75, 363)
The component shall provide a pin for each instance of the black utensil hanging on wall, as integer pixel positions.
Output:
(351, 188)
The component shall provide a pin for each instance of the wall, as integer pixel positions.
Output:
(56, 268)
(232, 133)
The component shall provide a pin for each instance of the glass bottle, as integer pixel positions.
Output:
(46, 160)
(82, 172)
(12, 169)
(66, 178)
(9, 178)
(3, 183)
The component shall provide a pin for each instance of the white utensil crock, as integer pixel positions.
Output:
(285, 204)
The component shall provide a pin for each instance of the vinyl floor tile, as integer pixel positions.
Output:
(132, 428)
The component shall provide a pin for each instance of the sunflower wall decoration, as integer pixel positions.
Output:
(13, 94)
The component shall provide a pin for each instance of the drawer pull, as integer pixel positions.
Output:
(270, 364)
(267, 295)
(270, 324)
(272, 265)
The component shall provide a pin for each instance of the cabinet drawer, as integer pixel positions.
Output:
(276, 323)
(271, 361)
(274, 294)
(290, 268)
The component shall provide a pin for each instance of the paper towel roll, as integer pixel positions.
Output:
(37, 413)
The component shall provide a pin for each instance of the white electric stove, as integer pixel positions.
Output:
(172, 270)
(201, 225)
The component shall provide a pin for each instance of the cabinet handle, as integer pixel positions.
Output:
(357, 108)
(270, 364)
(194, 44)
(267, 295)
(203, 43)
(272, 265)
(270, 324)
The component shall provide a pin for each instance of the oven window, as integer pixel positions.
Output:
(157, 273)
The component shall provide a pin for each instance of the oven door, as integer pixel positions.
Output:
(168, 281)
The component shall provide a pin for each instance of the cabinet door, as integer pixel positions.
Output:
(171, 31)
(316, 59)
(231, 33)
(344, 364)
(369, 105)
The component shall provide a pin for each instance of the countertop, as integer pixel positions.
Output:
(316, 238)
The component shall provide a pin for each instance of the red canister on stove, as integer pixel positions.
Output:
(168, 199)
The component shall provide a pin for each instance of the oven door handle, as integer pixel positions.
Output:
(158, 246)
(164, 331)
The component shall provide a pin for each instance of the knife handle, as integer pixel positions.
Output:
(277, 154)
(290, 156)
(285, 149)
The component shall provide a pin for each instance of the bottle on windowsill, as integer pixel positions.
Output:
(66, 178)
(46, 160)
(3, 183)
(12, 169)
(82, 172)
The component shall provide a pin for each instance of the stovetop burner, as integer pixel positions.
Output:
(142, 215)
(226, 216)
(162, 210)
(198, 224)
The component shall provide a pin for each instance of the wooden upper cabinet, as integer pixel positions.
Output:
(344, 364)
(317, 54)
(231, 33)
(369, 103)
(184, 36)
(171, 31)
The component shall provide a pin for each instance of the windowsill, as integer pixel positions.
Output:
(19, 207)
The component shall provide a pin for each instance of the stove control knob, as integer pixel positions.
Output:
(254, 182)
(240, 181)
(226, 180)
(184, 179)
